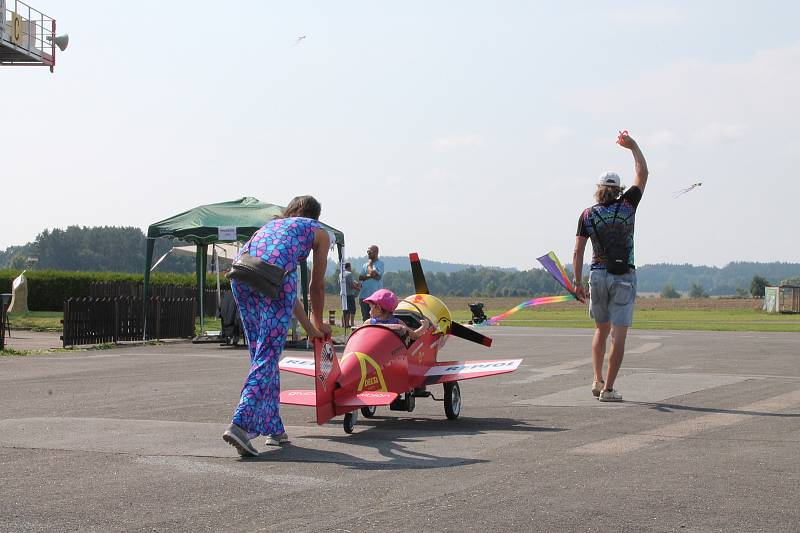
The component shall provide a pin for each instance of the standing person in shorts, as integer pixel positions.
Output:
(612, 279)
(351, 286)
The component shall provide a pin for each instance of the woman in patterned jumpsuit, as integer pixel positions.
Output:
(284, 242)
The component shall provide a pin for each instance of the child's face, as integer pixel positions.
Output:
(376, 311)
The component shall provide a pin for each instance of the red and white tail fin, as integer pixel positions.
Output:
(326, 372)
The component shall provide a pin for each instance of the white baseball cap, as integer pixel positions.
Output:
(609, 179)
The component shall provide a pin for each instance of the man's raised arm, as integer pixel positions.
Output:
(640, 180)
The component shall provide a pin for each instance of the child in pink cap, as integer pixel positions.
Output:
(382, 304)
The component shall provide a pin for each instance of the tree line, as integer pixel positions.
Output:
(122, 249)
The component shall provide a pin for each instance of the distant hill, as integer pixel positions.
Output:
(716, 281)
(122, 249)
(395, 263)
(95, 249)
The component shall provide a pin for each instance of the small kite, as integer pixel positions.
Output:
(551, 263)
(622, 139)
(687, 189)
(299, 39)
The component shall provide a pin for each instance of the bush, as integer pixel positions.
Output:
(48, 289)
(757, 286)
(669, 292)
(697, 291)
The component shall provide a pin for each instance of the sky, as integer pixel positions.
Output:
(470, 132)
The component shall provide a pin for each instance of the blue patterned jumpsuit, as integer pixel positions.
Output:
(284, 242)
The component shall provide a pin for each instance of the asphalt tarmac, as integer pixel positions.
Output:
(707, 439)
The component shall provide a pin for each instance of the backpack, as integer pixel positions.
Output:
(616, 252)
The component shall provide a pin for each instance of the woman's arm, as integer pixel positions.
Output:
(300, 315)
(322, 243)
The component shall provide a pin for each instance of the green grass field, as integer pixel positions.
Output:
(708, 314)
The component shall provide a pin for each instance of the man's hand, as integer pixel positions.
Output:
(625, 140)
(580, 292)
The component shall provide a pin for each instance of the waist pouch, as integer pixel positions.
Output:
(617, 261)
(265, 277)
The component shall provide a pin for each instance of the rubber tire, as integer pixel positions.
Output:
(369, 411)
(452, 400)
(350, 421)
(411, 402)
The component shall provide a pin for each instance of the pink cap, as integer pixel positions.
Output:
(383, 298)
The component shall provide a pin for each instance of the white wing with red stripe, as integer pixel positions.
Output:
(461, 370)
(298, 365)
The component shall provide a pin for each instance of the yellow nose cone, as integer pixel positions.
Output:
(431, 308)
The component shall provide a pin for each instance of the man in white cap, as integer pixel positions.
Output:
(612, 279)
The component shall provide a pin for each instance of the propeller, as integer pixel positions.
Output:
(457, 330)
(420, 285)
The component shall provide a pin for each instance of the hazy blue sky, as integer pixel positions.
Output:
(467, 131)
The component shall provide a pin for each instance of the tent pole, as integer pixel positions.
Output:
(146, 289)
(215, 257)
(203, 272)
(304, 283)
(342, 288)
(198, 268)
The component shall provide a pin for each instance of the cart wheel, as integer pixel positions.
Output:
(411, 402)
(369, 412)
(350, 421)
(452, 400)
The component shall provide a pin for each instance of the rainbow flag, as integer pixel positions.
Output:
(551, 263)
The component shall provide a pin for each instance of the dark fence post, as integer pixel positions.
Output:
(116, 320)
(158, 319)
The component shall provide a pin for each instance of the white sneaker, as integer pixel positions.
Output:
(277, 440)
(610, 395)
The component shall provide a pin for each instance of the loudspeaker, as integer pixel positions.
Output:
(60, 40)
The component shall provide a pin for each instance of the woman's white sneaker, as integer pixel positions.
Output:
(277, 440)
(610, 395)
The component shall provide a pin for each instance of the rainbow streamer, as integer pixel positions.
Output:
(551, 263)
(542, 300)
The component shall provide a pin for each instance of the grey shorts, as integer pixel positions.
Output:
(611, 297)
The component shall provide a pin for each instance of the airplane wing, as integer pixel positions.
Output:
(298, 365)
(461, 370)
(362, 399)
(365, 399)
(299, 397)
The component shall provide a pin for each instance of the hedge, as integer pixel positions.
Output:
(48, 289)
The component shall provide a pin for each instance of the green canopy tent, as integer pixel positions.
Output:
(232, 221)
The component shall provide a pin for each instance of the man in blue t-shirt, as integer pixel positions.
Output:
(371, 279)
(612, 280)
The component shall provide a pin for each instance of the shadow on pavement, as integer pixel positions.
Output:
(670, 407)
(390, 437)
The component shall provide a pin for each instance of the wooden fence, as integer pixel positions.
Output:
(119, 289)
(3, 325)
(101, 320)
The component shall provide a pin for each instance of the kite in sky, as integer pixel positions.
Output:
(551, 263)
(687, 189)
(299, 39)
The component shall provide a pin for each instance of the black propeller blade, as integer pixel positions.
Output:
(469, 334)
(420, 285)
